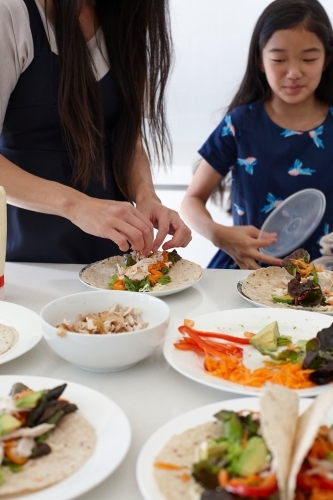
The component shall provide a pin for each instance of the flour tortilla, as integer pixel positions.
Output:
(182, 273)
(261, 284)
(287, 436)
(8, 338)
(181, 450)
(72, 443)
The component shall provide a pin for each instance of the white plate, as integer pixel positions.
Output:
(145, 464)
(111, 426)
(161, 293)
(254, 303)
(298, 324)
(26, 322)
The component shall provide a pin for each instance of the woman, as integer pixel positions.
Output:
(72, 151)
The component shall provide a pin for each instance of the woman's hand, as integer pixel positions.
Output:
(166, 221)
(118, 221)
(242, 243)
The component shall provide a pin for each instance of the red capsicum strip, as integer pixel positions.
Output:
(268, 487)
(308, 481)
(222, 349)
(222, 336)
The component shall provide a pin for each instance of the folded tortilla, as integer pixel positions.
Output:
(72, 443)
(260, 285)
(182, 273)
(8, 338)
(288, 437)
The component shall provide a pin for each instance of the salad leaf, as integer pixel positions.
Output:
(173, 256)
(164, 280)
(283, 340)
(114, 278)
(128, 260)
(299, 254)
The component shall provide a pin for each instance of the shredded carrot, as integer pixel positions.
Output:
(249, 335)
(319, 494)
(232, 369)
(189, 322)
(119, 285)
(223, 477)
(165, 465)
(185, 477)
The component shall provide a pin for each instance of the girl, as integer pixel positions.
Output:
(276, 137)
(77, 78)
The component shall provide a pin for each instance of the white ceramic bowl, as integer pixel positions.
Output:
(110, 352)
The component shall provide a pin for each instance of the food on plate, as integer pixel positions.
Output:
(8, 338)
(160, 271)
(297, 365)
(43, 439)
(117, 319)
(247, 455)
(298, 284)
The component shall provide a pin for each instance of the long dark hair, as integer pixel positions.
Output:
(139, 46)
(282, 15)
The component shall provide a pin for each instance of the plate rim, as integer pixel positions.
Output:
(224, 385)
(144, 461)
(34, 330)
(100, 474)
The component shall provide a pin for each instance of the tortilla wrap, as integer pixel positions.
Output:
(180, 450)
(72, 443)
(288, 437)
(8, 338)
(182, 273)
(260, 285)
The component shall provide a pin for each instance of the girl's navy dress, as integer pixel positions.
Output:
(268, 164)
(32, 139)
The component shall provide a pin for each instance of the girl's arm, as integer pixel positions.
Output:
(118, 221)
(240, 242)
(165, 220)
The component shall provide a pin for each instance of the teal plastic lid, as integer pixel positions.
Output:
(294, 220)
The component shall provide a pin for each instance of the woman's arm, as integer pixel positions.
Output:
(117, 221)
(165, 220)
(240, 242)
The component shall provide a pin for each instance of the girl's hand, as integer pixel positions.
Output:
(242, 243)
(166, 221)
(118, 221)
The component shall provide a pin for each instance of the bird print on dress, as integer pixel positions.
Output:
(314, 134)
(289, 133)
(229, 129)
(272, 203)
(298, 170)
(248, 163)
(240, 210)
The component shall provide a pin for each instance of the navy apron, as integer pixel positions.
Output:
(32, 139)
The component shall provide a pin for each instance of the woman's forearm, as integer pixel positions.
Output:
(25, 190)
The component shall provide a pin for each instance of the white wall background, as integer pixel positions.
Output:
(211, 39)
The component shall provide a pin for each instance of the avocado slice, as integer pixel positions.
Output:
(284, 299)
(267, 338)
(8, 423)
(30, 400)
(253, 457)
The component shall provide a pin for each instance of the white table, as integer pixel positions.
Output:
(151, 393)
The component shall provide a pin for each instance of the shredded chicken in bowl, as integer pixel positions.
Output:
(117, 319)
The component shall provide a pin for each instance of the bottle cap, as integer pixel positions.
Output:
(294, 220)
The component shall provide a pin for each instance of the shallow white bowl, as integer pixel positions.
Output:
(110, 352)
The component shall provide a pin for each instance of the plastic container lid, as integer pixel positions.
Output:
(294, 220)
